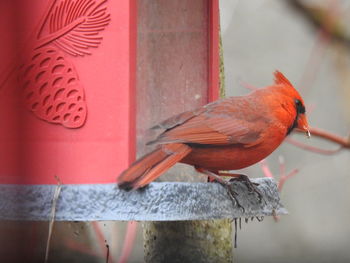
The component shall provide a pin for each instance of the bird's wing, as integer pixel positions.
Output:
(178, 119)
(226, 122)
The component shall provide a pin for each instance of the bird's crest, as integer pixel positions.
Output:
(281, 79)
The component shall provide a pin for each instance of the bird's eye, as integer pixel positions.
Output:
(299, 106)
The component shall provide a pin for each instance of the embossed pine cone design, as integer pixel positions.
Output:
(51, 88)
(50, 83)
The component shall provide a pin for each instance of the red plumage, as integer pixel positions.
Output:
(227, 134)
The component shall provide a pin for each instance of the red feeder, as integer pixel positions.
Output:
(69, 82)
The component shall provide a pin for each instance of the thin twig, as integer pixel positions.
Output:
(322, 41)
(312, 148)
(129, 240)
(52, 217)
(107, 256)
(246, 85)
(101, 240)
(342, 141)
(282, 165)
(266, 169)
(326, 19)
(236, 230)
(282, 178)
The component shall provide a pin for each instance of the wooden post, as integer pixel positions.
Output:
(191, 241)
(180, 241)
(188, 241)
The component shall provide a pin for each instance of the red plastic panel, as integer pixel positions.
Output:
(66, 90)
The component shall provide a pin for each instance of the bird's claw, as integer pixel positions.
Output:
(232, 194)
(252, 187)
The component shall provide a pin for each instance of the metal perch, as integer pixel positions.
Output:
(158, 202)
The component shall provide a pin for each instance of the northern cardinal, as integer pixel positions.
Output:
(227, 134)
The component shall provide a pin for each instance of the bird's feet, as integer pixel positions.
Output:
(252, 187)
(233, 195)
(216, 178)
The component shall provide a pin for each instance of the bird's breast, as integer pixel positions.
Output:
(230, 157)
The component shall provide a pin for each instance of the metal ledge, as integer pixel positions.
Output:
(157, 202)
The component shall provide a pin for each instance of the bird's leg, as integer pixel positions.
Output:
(252, 187)
(214, 177)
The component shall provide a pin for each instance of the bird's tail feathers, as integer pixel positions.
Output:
(152, 165)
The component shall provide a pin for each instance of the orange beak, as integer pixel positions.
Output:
(303, 125)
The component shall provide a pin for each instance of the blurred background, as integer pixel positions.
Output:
(258, 38)
(309, 41)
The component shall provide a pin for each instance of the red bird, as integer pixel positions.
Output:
(227, 134)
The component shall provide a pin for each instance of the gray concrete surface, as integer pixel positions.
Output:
(157, 202)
